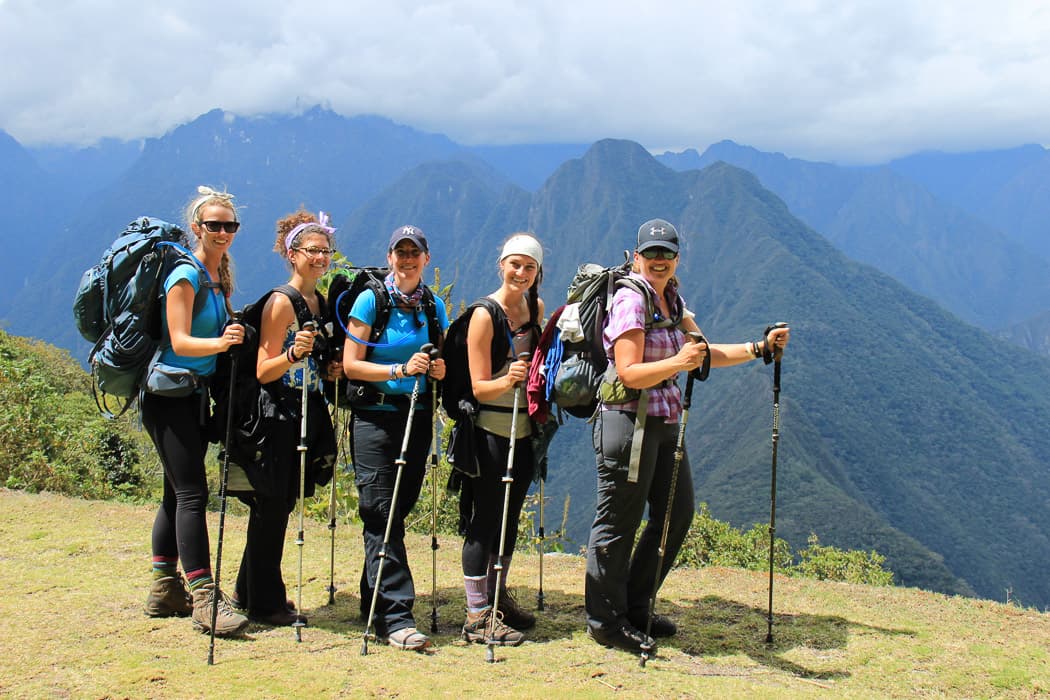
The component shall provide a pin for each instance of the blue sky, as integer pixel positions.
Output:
(850, 82)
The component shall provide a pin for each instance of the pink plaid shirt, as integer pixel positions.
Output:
(628, 313)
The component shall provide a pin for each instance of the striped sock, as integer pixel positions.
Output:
(198, 578)
(477, 592)
(165, 566)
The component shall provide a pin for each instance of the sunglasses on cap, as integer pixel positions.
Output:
(216, 226)
(654, 253)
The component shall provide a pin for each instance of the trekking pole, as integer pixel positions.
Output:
(508, 479)
(679, 453)
(543, 537)
(434, 354)
(777, 354)
(400, 462)
(332, 499)
(236, 318)
(299, 539)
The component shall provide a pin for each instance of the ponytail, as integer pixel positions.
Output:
(226, 280)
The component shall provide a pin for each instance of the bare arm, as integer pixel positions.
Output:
(179, 307)
(272, 360)
(479, 348)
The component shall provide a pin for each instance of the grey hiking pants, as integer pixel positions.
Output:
(619, 582)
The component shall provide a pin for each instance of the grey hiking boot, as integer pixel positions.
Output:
(513, 614)
(168, 597)
(227, 623)
(476, 629)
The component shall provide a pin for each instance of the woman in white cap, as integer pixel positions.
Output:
(520, 272)
(647, 345)
(387, 368)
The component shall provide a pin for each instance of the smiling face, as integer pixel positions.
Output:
(311, 255)
(217, 242)
(518, 272)
(407, 261)
(658, 269)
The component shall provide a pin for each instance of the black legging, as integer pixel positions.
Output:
(486, 492)
(180, 529)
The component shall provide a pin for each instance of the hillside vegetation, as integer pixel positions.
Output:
(75, 574)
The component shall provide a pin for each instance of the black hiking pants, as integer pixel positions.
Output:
(619, 581)
(377, 445)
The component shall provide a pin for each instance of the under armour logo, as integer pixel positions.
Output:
(657, 230)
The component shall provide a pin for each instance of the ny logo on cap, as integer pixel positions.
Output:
(409, 231)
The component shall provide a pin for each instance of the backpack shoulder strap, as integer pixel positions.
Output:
(183, 256)
(383, 306)
(651, 305)
(501, 339)
(302, 311)
(429, 304)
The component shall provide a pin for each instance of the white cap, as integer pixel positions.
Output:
(523, 244)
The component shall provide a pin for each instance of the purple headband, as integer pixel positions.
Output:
(321, 223)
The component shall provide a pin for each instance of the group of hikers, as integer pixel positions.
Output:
(393, 373)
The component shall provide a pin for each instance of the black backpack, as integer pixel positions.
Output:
(457, 394)
(117, 307)
(253, 404)
(347, 284)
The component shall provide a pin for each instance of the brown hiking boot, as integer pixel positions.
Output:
(476, 629)
(513, 614)
(167, 597)
(227, 622)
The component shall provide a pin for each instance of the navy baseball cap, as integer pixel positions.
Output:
(409, 233)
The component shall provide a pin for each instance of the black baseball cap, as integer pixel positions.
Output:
(657, 233)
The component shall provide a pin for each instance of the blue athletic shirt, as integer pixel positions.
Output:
(206, 324)
(401, 324)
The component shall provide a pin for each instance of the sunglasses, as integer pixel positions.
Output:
(313, 252)
(216, 226)
(654, 253)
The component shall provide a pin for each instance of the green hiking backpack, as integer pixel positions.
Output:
(117, 307)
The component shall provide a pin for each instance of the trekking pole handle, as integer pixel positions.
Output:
(775, 351)
(704, 369)
(524, 357)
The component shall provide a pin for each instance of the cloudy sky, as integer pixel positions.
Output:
(840, 80)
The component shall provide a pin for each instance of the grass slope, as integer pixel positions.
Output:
(74, 575)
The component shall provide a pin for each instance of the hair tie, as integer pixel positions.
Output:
(206, 194)
(321, 223)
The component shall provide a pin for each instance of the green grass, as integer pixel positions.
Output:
(75, 573)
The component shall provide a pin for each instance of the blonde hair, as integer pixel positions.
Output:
(206, 196)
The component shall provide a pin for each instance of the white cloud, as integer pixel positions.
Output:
(849, 81)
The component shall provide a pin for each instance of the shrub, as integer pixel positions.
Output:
(51, 434)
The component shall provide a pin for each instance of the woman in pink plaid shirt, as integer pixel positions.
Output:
(646, 353)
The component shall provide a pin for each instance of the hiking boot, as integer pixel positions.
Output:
(227, 623)
(624, 637)
(167, 597)
(476, 629)
(662, 625)
(408, 639)
(513, 614)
